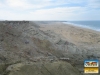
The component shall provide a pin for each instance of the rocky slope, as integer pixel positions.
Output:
(25, 45)
(23, 42)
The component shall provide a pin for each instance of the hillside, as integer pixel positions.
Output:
(25, 45)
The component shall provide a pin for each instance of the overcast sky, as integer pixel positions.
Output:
(49, 9)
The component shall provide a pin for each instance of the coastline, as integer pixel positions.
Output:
(75, 34)
(82, 26)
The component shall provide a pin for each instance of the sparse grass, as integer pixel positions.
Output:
(55, 68)
(3, 67)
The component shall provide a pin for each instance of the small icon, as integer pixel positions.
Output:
(91, 63)
(91, 70)
(91, 66)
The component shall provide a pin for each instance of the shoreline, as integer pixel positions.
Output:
(75, 34)
(81, 26)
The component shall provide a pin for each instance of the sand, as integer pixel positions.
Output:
(74, 34)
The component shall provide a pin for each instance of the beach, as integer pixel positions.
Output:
(74, 34)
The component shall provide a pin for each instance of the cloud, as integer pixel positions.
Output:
(94, 3)
(28, 4)
(49, 9)
(1, 5)
(23, 4)
(58, 13)
(38, 4)
(64, 13)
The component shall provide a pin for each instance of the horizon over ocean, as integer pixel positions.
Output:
(94, 25)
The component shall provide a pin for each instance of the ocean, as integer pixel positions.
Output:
(94, 25)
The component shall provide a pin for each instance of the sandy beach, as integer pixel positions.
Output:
(74, 34)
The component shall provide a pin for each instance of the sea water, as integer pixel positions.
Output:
(94, 25)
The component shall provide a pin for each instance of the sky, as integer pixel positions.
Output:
(50, 10)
